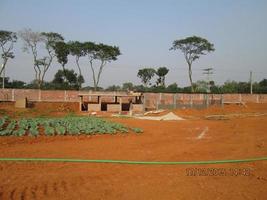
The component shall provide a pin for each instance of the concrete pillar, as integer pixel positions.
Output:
(175, 100)
(90, 97)
(80, 103)
(39, 95)
(144, 102)
(13, 94)
(207, 100)
(131, 108)
(120, 105)
(191, 100)
(116, 99)
(222, 101)
(65, 95)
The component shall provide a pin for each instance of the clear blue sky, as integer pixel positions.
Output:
(144, 30)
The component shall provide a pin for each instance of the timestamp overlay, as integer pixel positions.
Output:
(213, 171)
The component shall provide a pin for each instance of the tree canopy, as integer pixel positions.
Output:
(192, 48)
(67, 79)
(31, 42)
(7, 40)
(62, 51)
(101, 53)
(146, 74)
(161, 73)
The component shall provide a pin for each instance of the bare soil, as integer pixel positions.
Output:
(234, 138)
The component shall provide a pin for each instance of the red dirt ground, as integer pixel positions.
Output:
(235, 138)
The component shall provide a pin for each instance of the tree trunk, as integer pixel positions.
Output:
(100, 71)
(39, 82)
(190, 77)
(64, 72)
(80, 71)
(92, 68)
(4, 65)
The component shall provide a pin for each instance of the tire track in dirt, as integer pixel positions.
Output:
(1, 192)
(38, 191)
(12, 194)
(34, 190)
(23, 194)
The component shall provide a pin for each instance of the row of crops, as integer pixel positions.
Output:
(61, 126)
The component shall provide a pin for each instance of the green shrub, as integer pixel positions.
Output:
(137, 130)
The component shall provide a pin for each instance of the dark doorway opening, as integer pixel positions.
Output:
(104, 106)
(125, 106)
(84, 106)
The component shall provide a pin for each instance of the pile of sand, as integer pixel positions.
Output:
(168, 117)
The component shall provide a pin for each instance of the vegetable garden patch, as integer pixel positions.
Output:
(61, 126)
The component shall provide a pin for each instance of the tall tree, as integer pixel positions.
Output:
(146, 74)
(101, 53)
(192, 48)
(7, 40)
(62, 51)
(161, 73)
(50, 40)
(77, 50)
(32, 41)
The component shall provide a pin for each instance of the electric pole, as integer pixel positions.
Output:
(208, 72)
(250, 80)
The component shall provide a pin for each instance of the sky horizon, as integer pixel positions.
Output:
(144, 31)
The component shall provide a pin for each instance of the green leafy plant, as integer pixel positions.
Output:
(137, 130)
(70, 125)
(49, 131)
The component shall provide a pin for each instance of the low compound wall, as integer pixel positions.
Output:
(151, 100)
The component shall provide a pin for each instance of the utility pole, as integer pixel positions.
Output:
(250, 80)
(208, 71)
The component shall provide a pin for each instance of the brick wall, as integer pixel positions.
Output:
(151, 99)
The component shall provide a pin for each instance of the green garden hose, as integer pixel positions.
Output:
(132, 162)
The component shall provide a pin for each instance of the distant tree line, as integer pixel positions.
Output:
(45, 47)
(71, 83)
(199, 87)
